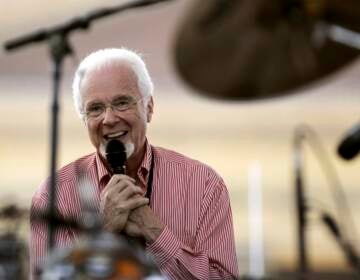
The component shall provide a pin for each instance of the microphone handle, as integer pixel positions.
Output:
(119, 169)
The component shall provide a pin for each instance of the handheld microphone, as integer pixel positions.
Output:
(350, 145)
(116, 156)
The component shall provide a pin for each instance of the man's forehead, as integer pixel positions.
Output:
(118, 97)
(110, 79)
(110, 71)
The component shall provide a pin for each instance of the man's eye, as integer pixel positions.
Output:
(95, 108)
(121, 103)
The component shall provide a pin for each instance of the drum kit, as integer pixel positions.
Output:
(225, 49)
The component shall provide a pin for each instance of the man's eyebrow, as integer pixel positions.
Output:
(94, 102)
(122, 97)
(116, 98)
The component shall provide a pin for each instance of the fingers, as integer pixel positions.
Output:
(118, 199)
(119, 193)
(115, 181)
(123, 185)
(119, 177)
(136, 202)
(122, 191)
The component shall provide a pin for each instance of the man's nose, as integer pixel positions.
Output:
(110, 116)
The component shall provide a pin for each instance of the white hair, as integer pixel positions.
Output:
(109, 57)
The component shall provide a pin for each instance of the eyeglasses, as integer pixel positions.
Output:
(119, 104)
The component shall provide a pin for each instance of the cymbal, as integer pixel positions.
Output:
(254, 49)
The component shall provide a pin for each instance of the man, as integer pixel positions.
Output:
(185, 219)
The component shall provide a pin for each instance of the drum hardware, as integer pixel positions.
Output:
(348, 249)
(13, 251)
(103, 256)
(304, 134)
(97, 254)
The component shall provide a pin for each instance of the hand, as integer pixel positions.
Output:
(142, 222)
(119, 197)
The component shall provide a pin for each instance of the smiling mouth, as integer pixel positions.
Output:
(115, 135)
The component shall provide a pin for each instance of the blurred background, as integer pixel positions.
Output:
(233, 137)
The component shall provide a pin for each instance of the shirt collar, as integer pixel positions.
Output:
(102, 172)
(146, 162)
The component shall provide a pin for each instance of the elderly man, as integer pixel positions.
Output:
(185, 218)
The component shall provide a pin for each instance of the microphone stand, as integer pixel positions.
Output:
(57, 38)
(350, 253)
(301, 134)
(301, 207)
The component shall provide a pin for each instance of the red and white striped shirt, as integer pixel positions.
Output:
(189, 197)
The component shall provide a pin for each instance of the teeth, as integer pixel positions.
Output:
(115, 135)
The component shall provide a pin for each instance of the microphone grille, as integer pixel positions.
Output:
(115, 155)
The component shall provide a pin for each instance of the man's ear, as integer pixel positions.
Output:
(150, 109)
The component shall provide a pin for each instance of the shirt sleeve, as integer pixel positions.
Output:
(213, 256)
(38, 248)
(38, 234)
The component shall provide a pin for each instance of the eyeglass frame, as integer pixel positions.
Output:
(112, 106)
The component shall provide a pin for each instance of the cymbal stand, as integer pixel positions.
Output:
(300, 202)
